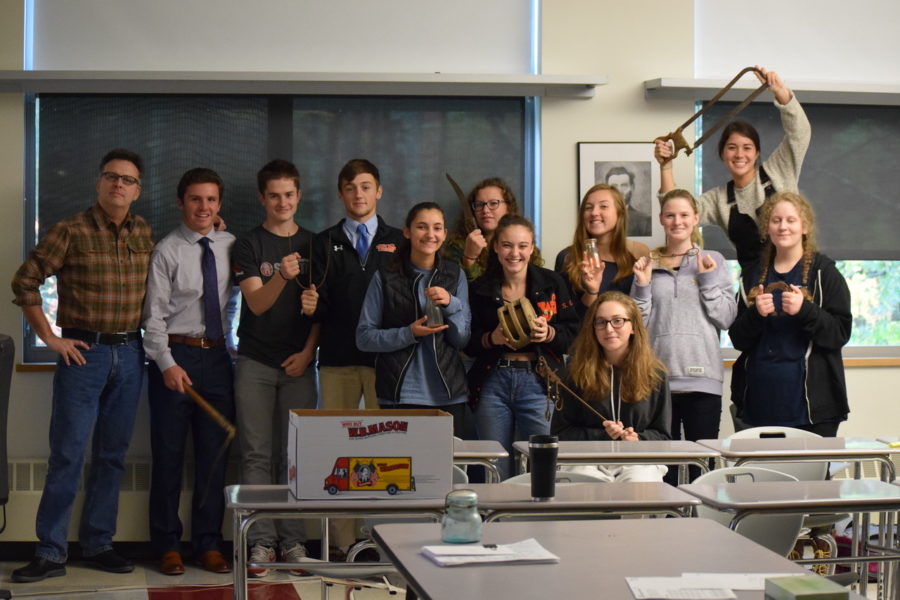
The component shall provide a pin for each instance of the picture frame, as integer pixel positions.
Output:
(631, 165)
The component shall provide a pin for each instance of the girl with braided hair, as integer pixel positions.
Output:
(791, 326)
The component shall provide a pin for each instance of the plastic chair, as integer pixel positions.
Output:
(775, 532)
(816, 526)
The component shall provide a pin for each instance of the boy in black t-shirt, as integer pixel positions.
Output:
(274, 371)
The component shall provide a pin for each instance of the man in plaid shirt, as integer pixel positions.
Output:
(100, 259)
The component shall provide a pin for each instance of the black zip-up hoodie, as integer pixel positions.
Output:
(342, 294)
(826, 321)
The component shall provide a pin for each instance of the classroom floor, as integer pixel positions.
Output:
(146, 583)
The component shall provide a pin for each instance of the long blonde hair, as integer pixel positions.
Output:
(589, 370)
(696, 238)
(810, 247)
(617, 247)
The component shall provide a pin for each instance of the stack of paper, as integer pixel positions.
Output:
(526, 551)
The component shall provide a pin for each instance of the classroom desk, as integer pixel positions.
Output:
(855, 450)
(253, 502)
(791, 497)
(484, 453)
(595, 558)
(497, 501)
(508, 500)
(641, 452)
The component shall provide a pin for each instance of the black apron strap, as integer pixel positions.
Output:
(743, 231)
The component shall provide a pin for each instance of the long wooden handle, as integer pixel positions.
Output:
(209, 409)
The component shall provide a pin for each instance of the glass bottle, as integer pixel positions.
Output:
(593, 254)
(461, 522)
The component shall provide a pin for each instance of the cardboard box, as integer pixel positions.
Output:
(356, 454)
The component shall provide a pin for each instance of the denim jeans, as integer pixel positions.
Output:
(512, 406)
(101, 395)
(264, 394)
(172, 415)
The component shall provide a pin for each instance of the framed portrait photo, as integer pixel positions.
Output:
(630, 168)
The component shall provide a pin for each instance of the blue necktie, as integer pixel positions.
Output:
(362, 242)
(212, 311)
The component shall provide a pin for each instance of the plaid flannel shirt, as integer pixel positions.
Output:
(101, 272)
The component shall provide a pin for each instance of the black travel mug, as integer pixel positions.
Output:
(542, 452)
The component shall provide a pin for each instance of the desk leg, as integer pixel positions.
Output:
(523, 463)
(240, 556)
(492, 473)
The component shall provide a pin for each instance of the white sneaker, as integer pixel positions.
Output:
(296, 554)
(260, 554)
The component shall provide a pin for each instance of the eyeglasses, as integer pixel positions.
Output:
(655, 255)
(114, 177)
(491, 204)
(616, 322)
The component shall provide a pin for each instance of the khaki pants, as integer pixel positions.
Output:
(341, 387)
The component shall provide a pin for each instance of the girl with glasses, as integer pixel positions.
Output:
(490, 200)
(508, 394)
(791, 326)
(602, 223)
(686, 297)
(612, 367)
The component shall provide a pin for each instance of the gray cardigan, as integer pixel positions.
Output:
(684, 311)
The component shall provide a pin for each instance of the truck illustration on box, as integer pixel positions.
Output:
(391, 474)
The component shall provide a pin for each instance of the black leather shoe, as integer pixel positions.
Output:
(38, 569)
(110, 561)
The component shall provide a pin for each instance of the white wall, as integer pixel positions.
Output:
(356, 36)
(815, 40)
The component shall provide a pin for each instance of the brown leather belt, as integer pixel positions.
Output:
(196, 342)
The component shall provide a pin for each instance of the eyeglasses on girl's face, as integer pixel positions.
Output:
(491, 204)
(616, 322)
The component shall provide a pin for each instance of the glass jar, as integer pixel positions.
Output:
(434, 314)
(461, 522)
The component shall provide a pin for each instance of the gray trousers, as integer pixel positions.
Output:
(263, 397)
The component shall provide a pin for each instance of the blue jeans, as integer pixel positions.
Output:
(512, 406)
(101, 395)
(172, 415)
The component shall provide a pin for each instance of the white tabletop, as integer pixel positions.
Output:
(514, 499)
(595, 558)
(847, 495)
(278, 498)
(656, 450)
(483, 449)
(846, 448)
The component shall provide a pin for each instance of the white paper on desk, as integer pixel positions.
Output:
(673, 588)
(526, 551)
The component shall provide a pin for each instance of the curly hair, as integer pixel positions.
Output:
(618, 248)
(641, 371)
(810, 247)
